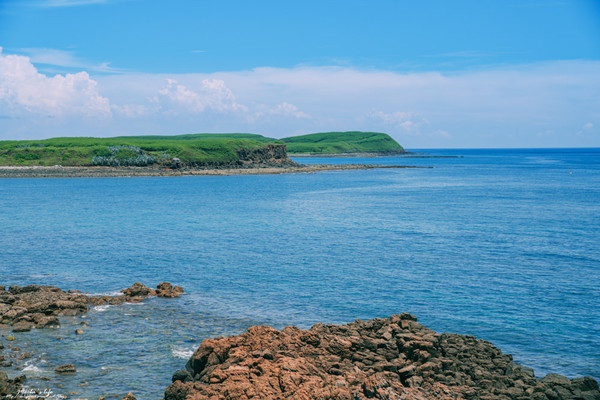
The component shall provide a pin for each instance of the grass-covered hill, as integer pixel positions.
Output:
(343, 143)
(191, 150)
(194, 150)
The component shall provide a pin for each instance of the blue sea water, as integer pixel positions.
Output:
(501, 244)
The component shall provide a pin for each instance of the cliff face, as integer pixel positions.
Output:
(268, 155)
(395, 358)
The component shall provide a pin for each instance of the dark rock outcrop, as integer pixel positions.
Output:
(165, 289)
(395, 358)
(9, 388)
(66, 369)
(138, 290)
(39, 306)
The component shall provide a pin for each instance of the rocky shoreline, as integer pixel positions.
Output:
(37, 306)
(93, 172)
(392, 358)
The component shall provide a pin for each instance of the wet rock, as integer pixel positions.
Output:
(22, 326)
(66, 369)
(166, 289)
(46, 322)
(395, 358)
(138, 290)
(9, 388)
(129, 396)
(39, 306)
(79, 331)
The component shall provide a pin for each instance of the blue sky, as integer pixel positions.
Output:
(430, 73)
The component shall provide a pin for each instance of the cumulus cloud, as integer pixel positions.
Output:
(288, 110)
(506, 106)
(212, 94)
(24, 91)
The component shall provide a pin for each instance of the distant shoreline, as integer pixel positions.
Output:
(344, 155)
(370, 155)
(104, 172)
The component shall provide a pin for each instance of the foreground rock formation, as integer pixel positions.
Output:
(395, 358)
(36, 306)
(39, 306)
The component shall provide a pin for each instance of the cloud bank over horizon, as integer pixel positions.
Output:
(547, 104)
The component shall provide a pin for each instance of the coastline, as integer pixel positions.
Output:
(105, 172)
(381, 358)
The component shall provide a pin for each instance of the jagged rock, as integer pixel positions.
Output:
(38, 305)
(9, 388)
(395, 358)
(22, 326)
(46, 322)
(138, 290)
(129, 396)
(66, 369)
(165, 289)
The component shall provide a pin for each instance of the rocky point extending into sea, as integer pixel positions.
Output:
(391, 358)
(37, 306)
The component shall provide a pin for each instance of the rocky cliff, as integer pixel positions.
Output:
(394, 358)
(265, 155)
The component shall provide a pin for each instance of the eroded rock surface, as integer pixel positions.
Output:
(39, 306)
(394, 358)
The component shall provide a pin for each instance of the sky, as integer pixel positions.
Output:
(432, 73)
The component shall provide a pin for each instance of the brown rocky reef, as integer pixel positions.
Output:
(394, 358)
(39, 306)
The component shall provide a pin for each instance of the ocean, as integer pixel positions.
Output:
(502, 244)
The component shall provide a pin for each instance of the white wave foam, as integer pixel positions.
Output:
(101, 308)
(182, 353)
(111, 294)
(30, 367)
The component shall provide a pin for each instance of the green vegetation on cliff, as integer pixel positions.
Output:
(193, 150)
(343, 143)
(204, 149)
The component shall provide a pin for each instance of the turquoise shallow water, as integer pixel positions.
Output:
(502, 244)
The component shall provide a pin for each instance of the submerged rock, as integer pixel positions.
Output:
(66, 369)
(394, 358)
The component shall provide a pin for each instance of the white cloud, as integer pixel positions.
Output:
(288, 110)
(212, 94)
(24, 91)
(504, 107)
(64, 58)
(130, 110)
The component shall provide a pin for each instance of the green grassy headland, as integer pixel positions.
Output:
(342, 143)
(191, 150)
